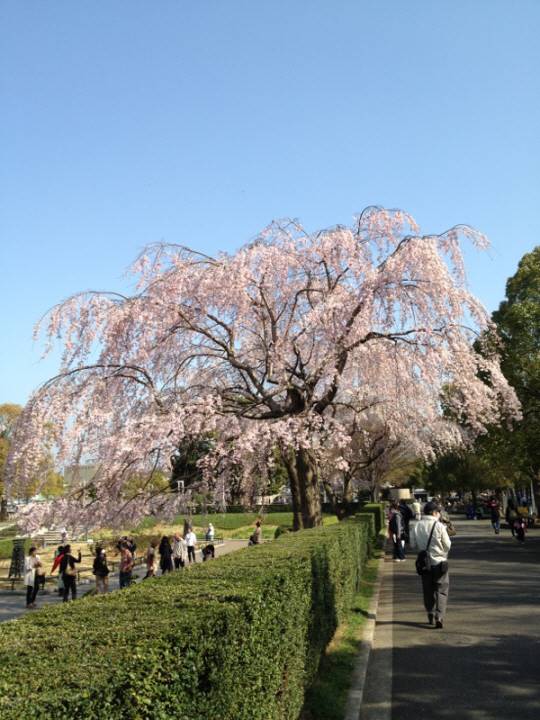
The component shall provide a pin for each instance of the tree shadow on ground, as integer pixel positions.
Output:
(477, 682)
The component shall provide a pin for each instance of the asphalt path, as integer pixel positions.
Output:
(12, 603)
(485, 662)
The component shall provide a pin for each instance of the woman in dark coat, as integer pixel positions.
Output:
(165, 552)
(69, 572)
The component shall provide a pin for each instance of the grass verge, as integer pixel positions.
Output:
(327, 697)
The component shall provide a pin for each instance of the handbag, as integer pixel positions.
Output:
(423, 561)
(70, 570)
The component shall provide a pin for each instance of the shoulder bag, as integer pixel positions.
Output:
(423, 561)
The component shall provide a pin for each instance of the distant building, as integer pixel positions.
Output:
(77, 476)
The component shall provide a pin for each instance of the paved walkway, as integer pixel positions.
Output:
(485, 663)
(12, 604)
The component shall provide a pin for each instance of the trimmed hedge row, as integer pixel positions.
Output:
(6, 548)
(239, 638)
(378, 513)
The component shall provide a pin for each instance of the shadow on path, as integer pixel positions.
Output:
(485, 663)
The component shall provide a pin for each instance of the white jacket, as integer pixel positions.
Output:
(179, 549)
(440, 544)
(30, 563)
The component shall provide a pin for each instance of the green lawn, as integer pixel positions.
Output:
(228, 525)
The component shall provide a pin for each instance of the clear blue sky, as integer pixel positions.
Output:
(125, 123)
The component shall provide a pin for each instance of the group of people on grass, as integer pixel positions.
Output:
(167, 555)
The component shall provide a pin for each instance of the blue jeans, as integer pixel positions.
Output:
(399, 551)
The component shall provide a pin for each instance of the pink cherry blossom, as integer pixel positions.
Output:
(334, 347)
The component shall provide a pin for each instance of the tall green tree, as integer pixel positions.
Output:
(9, 412)
(518, 324)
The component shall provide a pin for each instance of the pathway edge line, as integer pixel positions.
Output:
(358, 678)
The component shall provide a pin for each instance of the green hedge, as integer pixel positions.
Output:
(239, 638)
(6, 548)
(377, 509)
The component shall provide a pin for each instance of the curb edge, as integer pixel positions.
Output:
(358, 678)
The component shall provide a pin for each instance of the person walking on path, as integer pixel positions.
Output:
(407, 515)
(191, 542)
(511, 515)
(179, 551)
(431, 535)
(210, 533)
(101, 570)
(396, 532)
(126, 566)
(151, 560)
(495, 516)
(31, 563)
(165, 552)
(69, 573)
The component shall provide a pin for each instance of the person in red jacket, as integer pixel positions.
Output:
(58, 555)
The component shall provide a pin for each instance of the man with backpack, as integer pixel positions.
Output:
(430, 537)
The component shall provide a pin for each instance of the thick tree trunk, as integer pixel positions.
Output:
(343, 507)
(308, 482)
(289, 460)
(303, 479)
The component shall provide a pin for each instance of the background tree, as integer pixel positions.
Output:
(260, 349)
(9, 413)
(518, 324)
(506, 455)
(185, 468)
(464, 471)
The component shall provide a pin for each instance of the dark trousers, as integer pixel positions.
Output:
(31, 592)
(399, 550)
(191, 553)
(178, 563)
(166, 564)
(435, 587)
(70, 583)
(125, 579)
